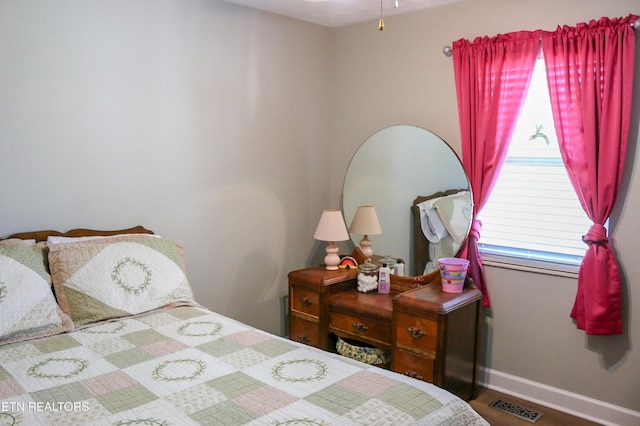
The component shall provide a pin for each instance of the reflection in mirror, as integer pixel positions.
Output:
(389, 171)
(441, 224)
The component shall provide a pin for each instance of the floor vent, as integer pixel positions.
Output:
(516, 410)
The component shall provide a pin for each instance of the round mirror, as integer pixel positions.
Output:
(389, 171)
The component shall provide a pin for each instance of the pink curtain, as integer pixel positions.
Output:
(492, 77)
(590, 75)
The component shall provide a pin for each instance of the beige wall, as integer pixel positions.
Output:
(400, 76)
(231, 129)
(199, 119)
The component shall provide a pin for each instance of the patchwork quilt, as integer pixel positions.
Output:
(190, 366)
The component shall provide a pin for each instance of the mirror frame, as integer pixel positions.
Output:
(378, 175)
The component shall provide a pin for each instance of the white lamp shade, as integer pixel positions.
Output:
(365, 222)
(331, 227)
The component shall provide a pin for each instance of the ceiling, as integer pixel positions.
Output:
(336, 13)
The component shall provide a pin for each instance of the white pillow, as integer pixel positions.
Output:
(54, 239)
(28, 308)
(101, 279)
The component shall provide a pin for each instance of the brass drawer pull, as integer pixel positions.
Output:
(413, 374)
(304, 339)
(306, 301)
(416, 332)
(359, 326)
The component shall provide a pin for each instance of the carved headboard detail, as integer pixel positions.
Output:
(79, 232)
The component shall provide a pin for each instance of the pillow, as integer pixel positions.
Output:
(101, 279)
(28, 308)
(455, 211)
(56, 239)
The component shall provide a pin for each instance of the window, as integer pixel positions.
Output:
(533, 217)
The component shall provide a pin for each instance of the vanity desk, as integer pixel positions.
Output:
(431, 335)
(427, 333)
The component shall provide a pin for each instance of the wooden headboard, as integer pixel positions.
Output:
(79, 232)
(419, 241)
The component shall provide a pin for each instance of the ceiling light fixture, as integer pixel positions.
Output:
(381, 22)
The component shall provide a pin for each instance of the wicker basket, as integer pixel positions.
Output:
(366, 354)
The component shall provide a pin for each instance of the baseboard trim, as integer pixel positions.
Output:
(558, 399)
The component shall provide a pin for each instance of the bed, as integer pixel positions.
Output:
(101, 328)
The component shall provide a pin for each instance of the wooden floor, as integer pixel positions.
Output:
(498, 418)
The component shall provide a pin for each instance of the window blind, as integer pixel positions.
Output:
(533, 212)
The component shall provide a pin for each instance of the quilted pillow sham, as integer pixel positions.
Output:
(28, 308)
(103, 279)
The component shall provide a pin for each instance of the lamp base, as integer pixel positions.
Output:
(332, 260)
(365, 247)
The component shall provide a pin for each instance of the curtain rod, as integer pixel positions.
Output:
(447, 51)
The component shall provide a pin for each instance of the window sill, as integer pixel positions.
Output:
(529, 265)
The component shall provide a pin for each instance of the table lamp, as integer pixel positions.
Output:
(331, 228)
(365, 222)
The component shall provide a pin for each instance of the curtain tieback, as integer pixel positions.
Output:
(597, 234)
(476, 227)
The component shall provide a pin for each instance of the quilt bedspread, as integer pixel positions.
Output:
(190, 366)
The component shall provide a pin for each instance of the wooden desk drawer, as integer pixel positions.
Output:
(303, 331)
(413, 365)
(363, 328)
(415, 332)
(305, 301)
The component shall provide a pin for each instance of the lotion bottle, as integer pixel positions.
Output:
(398, 269)
(384, 280)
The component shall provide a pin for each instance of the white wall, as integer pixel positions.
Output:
(209, 123)
(202, 120)
(400, 76)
